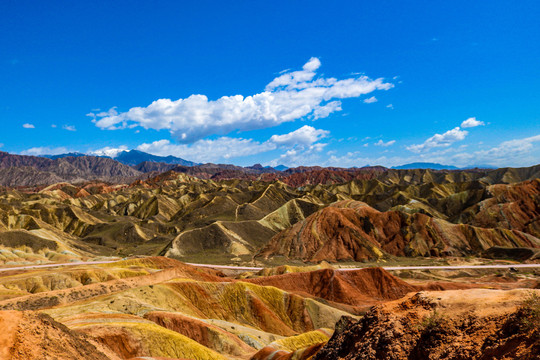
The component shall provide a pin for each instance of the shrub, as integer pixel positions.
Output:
(432, 322)
(530, 313)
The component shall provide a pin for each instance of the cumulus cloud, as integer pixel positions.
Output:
(69, 128)
(359, 158)
(225, 148)
(109, 151)
(95, 113)
(206, 150)
(290, 96)
(325, 110)
(306, 135)
(302, 146)
(36, 151)
(440, 140)
(301, 155)
(516, 152)
(519, 145)
(355, 158)
(471, 122)
(371, 100)
(384, 144)
(28, 126)
(513, 153)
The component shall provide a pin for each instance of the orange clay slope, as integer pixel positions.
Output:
(460, 324)
(161, 308)
(353, 231)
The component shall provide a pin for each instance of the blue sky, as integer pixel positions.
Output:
(281, 82)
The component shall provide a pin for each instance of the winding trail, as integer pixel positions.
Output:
(247, 268)
(29, 267)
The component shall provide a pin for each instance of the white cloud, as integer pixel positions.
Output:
(290, 96)
(351, 159)
(520, 145)
(512, 153)
(53, 126)
(300, 156)
(303, 146)
(471, 122)
(225, 148)
(516, 152)
(109, 151)
(358, 158)
(325, 110)
(390, 106)
(36, 151)
(440, 140)
(306, 135)
(371, 100)
(69, 128)
(296, 79)
(95, 113)
(206, 150)
(28, 126)
(385, 144)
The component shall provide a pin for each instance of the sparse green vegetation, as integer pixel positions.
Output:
(432, 322)
(530, 313)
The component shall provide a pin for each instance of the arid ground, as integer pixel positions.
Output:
(317, 241)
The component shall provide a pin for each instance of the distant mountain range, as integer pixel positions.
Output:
(60, 156)
(146, 162)
(425, 165)
(132, 158)
(30, 171)
(141, 160)
(435, 166)
(22, 170)
(128, 166)
(135, 157)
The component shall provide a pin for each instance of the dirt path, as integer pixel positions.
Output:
(28, 267)
(247, 268)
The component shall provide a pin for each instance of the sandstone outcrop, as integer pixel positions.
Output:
(463, 324)
(353, 231)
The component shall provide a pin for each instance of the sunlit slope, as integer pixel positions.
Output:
(412, 212)
(462, 324)
(353, 231)
(159, 307)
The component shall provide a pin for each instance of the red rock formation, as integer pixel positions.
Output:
(471, 324)
(515, 206)
(358, 288)
(353, 231)
(28, 335)
(205, 334)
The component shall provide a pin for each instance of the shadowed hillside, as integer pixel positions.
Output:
(377, 214)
